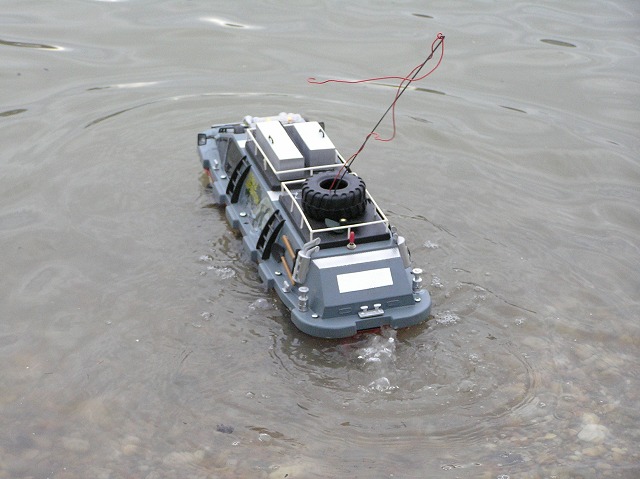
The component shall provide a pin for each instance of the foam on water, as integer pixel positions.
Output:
(381, 384)
(447, 318)
(223, 272)
(380, 350)
(436, 282)
(261, 304)
(377, 357)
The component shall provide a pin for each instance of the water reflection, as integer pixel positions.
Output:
(558, 43)
(39, 46)
(226, 23)
(13, 112)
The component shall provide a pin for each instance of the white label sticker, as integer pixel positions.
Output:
(372, 278)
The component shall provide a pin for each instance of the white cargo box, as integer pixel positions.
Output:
(315, 145)
(279, 148)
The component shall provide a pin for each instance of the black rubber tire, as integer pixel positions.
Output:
(347, 200)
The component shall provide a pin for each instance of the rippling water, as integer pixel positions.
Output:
(136, 339)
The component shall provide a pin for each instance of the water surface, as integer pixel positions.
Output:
(136, 338)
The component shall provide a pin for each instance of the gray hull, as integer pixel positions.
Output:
(318, 237)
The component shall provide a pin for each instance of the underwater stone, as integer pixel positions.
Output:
(75, 444)
(224, 429)
(593, 433)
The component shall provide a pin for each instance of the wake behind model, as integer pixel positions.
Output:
(319, 238)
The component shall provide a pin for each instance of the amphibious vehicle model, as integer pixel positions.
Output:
(319, 238)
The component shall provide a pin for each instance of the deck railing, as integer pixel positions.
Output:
(287, 191)
(306, 225)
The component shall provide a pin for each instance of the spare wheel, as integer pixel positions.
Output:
(346, 200)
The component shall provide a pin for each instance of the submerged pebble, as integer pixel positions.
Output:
(182, 458)
(466, 386)
(75, 444)
(224, 429)
(595, 433)
(291, 471)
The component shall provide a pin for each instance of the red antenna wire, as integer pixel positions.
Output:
(405, 81)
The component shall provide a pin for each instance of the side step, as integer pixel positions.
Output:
(269, 234)
(237, 178)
